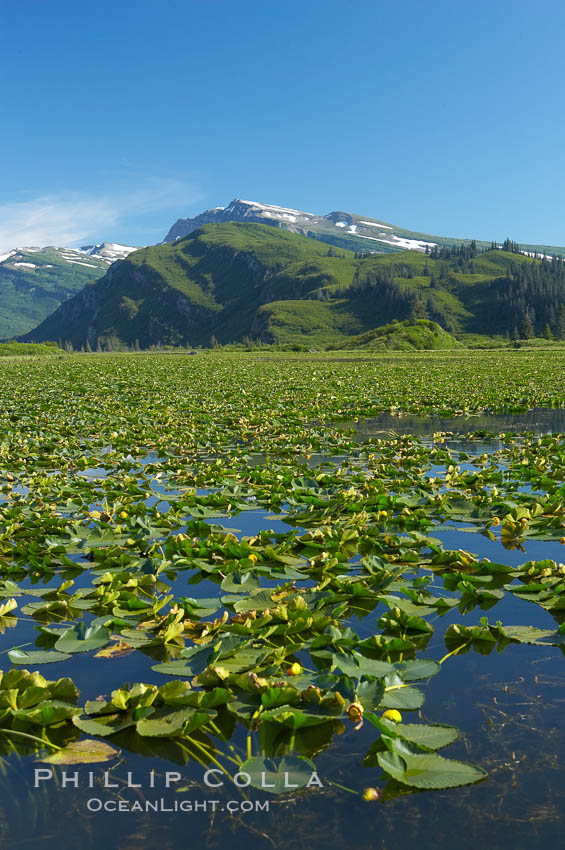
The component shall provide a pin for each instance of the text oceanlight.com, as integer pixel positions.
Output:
(95, 804)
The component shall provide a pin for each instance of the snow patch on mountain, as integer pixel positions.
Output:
(409, 244)
(272, 207)
(108, 250)
(374, 224)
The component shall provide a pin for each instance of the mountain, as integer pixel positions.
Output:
(34, 281)
(108, 251)
(239, 282)
(338, 228)
(342, 229)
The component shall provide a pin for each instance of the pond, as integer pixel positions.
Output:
(412, 566)
(509, 705)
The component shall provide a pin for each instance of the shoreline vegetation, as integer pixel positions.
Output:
(389, 340)
(28, 351)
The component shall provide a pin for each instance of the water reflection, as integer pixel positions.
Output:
(540, 420)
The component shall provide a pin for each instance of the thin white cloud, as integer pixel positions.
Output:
(159, 193)
(53, 221)
(75, 220)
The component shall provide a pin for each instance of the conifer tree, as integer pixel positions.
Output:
(526, 327)
(418, 311)
(561, 323)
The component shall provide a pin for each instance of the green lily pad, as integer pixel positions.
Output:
(406, 698)
(19, 656)
(433, 736)
(185, 721)
(82, 639)
(280, 776)
(85, 751)
(429, 770)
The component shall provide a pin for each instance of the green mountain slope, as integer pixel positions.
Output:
(237, 281)
(33, 282)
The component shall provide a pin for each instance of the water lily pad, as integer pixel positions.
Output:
(19, 656)
(185, 721)
(429, 770)
(85, 751)
(403, 698)
(280, 776)
(79, 638)
(430, 735)
(421, 668)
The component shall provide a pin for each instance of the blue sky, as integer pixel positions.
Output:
(118, 117)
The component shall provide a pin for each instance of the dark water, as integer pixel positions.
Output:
(541, 420)
(508, 705)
